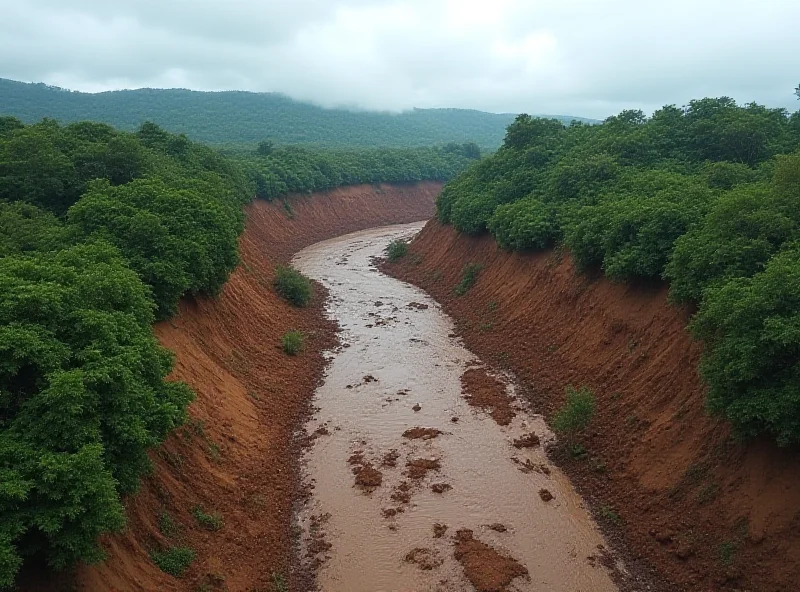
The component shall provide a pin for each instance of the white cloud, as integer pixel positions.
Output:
(580, 57)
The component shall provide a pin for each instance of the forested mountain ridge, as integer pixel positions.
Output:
(246, 118)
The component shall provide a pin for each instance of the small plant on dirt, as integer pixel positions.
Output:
(727, 553)
(436, 275)
(207, 521)
(214, 451)
(292, 342)
(174, 561)
(279, 583)
(608, 514)
(167, 525)
(469, 275)
(292, 285)
(575, 415)
(289, 211)
(397, 249)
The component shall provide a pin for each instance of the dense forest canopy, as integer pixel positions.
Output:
(245, 118)
(706, 197)
(101, 233)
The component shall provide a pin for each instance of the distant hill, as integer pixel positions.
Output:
(238, 118)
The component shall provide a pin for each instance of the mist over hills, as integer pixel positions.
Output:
(246, 118)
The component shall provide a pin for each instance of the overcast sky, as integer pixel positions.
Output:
(579, 57)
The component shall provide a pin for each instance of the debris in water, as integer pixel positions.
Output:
(439, 530)
(497, 527)
(441, 487)
(485, 568)
(390, 458)
(421, 433)
(368, 477)
(369, 378)
(425, 559)
(527, 441)
(417, 407)
(486, 392)
(419, 467)
(545, 495)
(417, 306)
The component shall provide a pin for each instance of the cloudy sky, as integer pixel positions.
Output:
(579, 57)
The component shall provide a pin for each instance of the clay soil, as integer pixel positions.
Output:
(664, 479)
(487, 393)
(486, 568)
(237, 456)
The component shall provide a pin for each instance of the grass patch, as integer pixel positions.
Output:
(207, 521)
(574, 417)
(727, 552)
(396, 250)
(469, 275)
(278, 583)
(292, 342)
(292, 285)
(174, 561)
(609, 514)
(167, 525)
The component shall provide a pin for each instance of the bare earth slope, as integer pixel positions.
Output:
(236, 456)
(707, 511)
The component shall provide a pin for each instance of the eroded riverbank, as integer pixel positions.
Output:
(382, 495)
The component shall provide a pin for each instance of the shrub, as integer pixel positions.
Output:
(167, 525)
(751, 328)
(525, 224)
(397, 249)
(743, 230)
(292, 342)
(577, 412)
(207, 521)
(292, 285)
(469, 275)
(174, 561)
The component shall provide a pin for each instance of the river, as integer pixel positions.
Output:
(400, 367)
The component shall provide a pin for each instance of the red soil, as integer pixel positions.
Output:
(241, 461)
(706, 511)
(486, 568)
(487, 393)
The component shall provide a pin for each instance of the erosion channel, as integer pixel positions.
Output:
(469, 500)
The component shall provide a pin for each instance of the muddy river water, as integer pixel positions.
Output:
(374, 522)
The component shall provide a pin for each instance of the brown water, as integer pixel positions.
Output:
(415, 360)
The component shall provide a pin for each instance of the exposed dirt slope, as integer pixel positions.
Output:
(706, 511)
(236, 456)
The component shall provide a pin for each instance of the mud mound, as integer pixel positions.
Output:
(419, 467)
(390, 458)
(441, 487)
(486, 568)
(425, 559)
(487, 393)
(528, 441)
(421, 433)
(368, 477)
